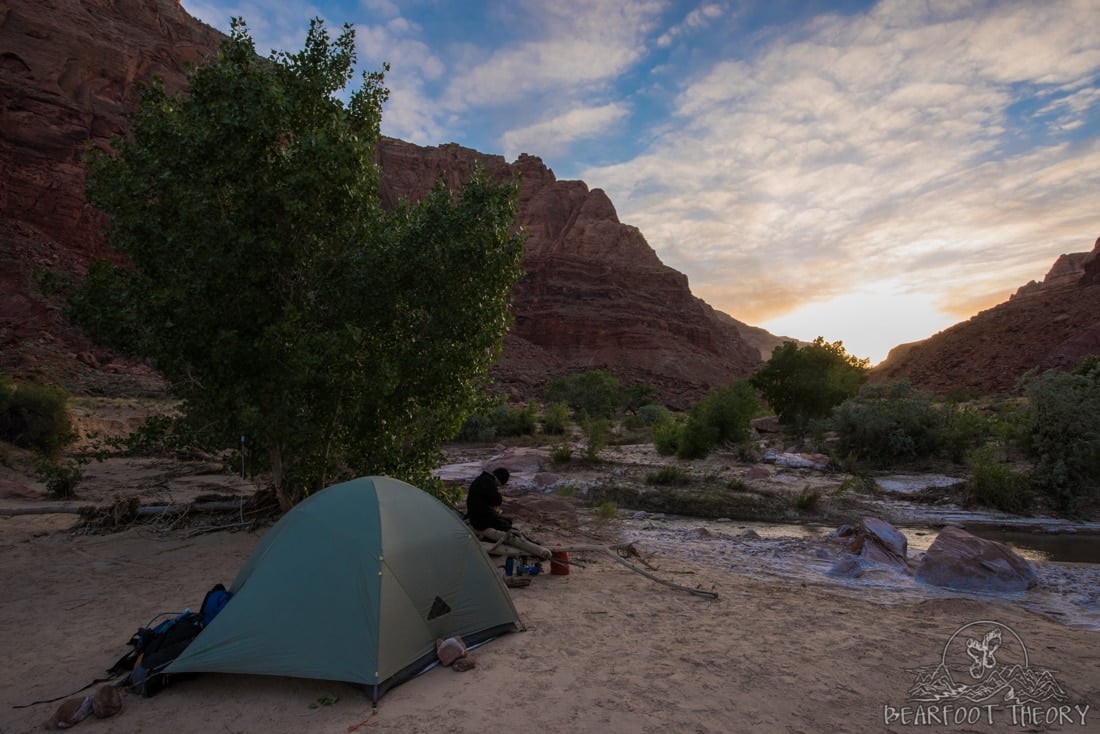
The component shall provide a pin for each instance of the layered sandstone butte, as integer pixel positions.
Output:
(595, 295)
(1051, 324)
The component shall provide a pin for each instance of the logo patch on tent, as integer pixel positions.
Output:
(439, 608)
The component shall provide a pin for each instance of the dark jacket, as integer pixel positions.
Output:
(482, 501)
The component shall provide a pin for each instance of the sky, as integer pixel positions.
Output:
(868, 172)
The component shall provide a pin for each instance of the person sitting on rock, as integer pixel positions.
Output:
(483, 501)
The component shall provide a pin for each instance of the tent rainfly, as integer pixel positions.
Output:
(355, 584)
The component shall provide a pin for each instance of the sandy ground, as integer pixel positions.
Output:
(605, 650)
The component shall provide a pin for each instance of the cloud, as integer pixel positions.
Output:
(884, 146)
(552, 136)
(273, 27)
(577, 46)
(696, 19)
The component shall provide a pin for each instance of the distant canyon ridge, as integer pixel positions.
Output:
(594, 295)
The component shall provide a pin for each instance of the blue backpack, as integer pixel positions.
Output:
(154, 647)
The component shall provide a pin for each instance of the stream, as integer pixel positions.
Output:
(1066, 558)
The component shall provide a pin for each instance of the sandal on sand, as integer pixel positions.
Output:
(516, 582)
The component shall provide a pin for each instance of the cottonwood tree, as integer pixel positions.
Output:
(269, 286)
(804, 383)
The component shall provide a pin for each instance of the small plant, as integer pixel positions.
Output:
(477, 428)
(668, 434)
(61, 478)
(35, 416)
(511, 421)
(998, 485)
(597, 432)
(722, 417)
(561, 453)
(807, 499)
(651, 413)
(157, 435)
(328, 700)
(607, 511)
(596, 392)
(850, 484)
(555, 418)
(668, 476)
(567, 490)
(737, 484)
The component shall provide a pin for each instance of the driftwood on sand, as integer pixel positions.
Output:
(221, 506)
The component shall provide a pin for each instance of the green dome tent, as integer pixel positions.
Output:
(355, 584)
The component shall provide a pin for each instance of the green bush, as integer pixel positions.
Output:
(158, 435)
(477, 428)
(998, 485)
(888, 423)
(567, 490)
(555, 418)
(652, 413)
(496, 418)
(668, 476)
(511, 421)
(807, 499)
(607, 511)
(963, 430)
(60, 477)
(721, 417)
(668, 434)
(1061, 432)
(596, 433)
(737, 484)
(35, 416)
(561, 453)
(596, 393)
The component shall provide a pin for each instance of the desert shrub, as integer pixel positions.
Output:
(158, 435)
(607, 511)
(567, 490)
(596, 433)
(887, 423)
(737, 484)
(561, 453)
(996, 484)
(668, 476)
(35, 416)
(651, 413)
(1061, 432)
(721, 417)
(60, 477)
(807, 499)
(511, 421)
(596, 393)
(635, 397)
(668, 434)
(555, 418)
(963, 429)
(633, 424)
(477, 427)
(495, 418)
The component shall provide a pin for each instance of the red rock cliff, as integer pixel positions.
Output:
(1048, 325)
(595, 295)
